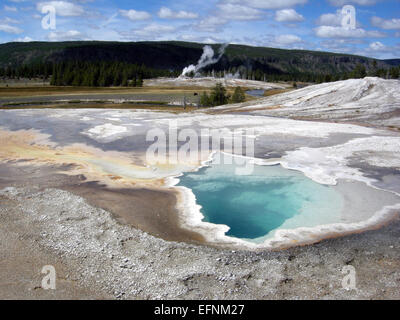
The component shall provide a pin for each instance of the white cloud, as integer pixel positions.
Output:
(330, 19)
(336, 42)
(10, 29)
(10, 9)
(288, 15)
(239, 12)
(200, 39)
(377, 46)
(211, 24)
(268, 4)
(135, 15)
(286, 39)
(63, 8)
(378, 49)
(65, 35)
(228, 12)
(153, 30)
(340, 3)
(24, 39)
(390, 24)
(167, 13)
(333, 19)
(342, 45)
(340, 32)
(8, 20)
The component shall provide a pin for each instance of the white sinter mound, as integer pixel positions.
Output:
(370, 100)
(210, 82)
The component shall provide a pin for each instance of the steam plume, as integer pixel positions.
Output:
(206, 59)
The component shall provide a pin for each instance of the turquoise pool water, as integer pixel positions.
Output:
(256, 205)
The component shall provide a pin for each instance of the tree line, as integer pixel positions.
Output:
(28, 71)
(105, 74)
(359, 71)
(90, 74)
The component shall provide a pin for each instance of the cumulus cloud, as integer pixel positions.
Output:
(333, 19)
(286, 39)
(10, 29)
(65, 35)
(378, 49)
(135, 15)
(390, 24)
(268, 4)
(63, 8)
(331, 27)
(198, 38)
(211, 24)
(227, 12)
(330, 19)
(167, 13)
(239, 12)
(340, 32)
(24, 39)
(153, 30)
(288, 15)
(377, 46)
(342, 45)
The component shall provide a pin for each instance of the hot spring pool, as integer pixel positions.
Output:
(255, 206)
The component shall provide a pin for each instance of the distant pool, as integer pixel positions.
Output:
(257, 205)
(256, 93)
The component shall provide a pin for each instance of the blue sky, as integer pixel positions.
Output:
(300, 24)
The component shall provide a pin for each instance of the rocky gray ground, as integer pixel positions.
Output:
(96, 257)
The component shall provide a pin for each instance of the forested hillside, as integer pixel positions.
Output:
(114, 63)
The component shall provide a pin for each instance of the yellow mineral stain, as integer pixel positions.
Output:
(115, 169)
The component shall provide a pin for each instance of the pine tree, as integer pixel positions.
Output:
(124, 82)
(219, 96)
(394, 72)
(205, 100)
(238, 96)
(117, 79)
(139, 82)
(358, 72)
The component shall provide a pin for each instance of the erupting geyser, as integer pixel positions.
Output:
(206, 59)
